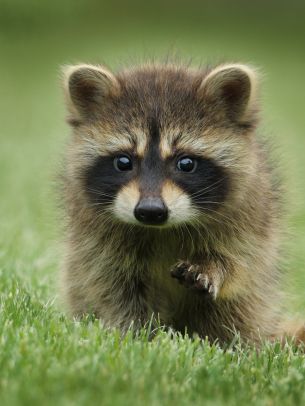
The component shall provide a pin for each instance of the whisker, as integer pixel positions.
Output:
(208, 188)
(227, 220)
(208, 202)
(99, 192)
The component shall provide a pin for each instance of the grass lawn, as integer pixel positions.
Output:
(47, 359)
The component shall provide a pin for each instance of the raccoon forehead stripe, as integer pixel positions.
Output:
(152, 167)
(154, 129)
(152, 147)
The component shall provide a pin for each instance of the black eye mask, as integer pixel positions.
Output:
(206, 184)
(102, 181)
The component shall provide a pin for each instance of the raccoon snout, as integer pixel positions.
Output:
(151, 211)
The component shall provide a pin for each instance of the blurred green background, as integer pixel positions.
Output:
(36, 37)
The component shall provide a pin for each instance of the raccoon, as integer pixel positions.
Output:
(173, 211)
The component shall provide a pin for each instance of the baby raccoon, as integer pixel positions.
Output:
(172, 209)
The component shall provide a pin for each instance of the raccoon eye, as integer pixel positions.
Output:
(122, 163)
(187, 164)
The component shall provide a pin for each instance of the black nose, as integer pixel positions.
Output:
(151, 211)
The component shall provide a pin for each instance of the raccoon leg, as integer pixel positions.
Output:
(207, 278)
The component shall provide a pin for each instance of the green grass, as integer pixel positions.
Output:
(45, 358)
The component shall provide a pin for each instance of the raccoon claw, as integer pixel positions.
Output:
(209, 284)
(197, 279)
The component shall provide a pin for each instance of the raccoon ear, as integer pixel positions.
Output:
(87, 87)
(230, 91)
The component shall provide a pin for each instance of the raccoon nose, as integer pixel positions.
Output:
(151, 211)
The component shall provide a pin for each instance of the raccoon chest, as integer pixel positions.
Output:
(164, 296)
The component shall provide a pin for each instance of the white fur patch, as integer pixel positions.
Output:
(125, 203)
(178, 204)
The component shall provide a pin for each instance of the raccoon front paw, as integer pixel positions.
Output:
(207, 279)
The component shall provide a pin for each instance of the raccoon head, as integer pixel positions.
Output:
(160, 145)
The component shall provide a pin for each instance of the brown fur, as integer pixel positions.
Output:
(121, 271)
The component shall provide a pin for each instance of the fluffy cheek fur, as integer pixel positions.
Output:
(178, 203)
(125, 203)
